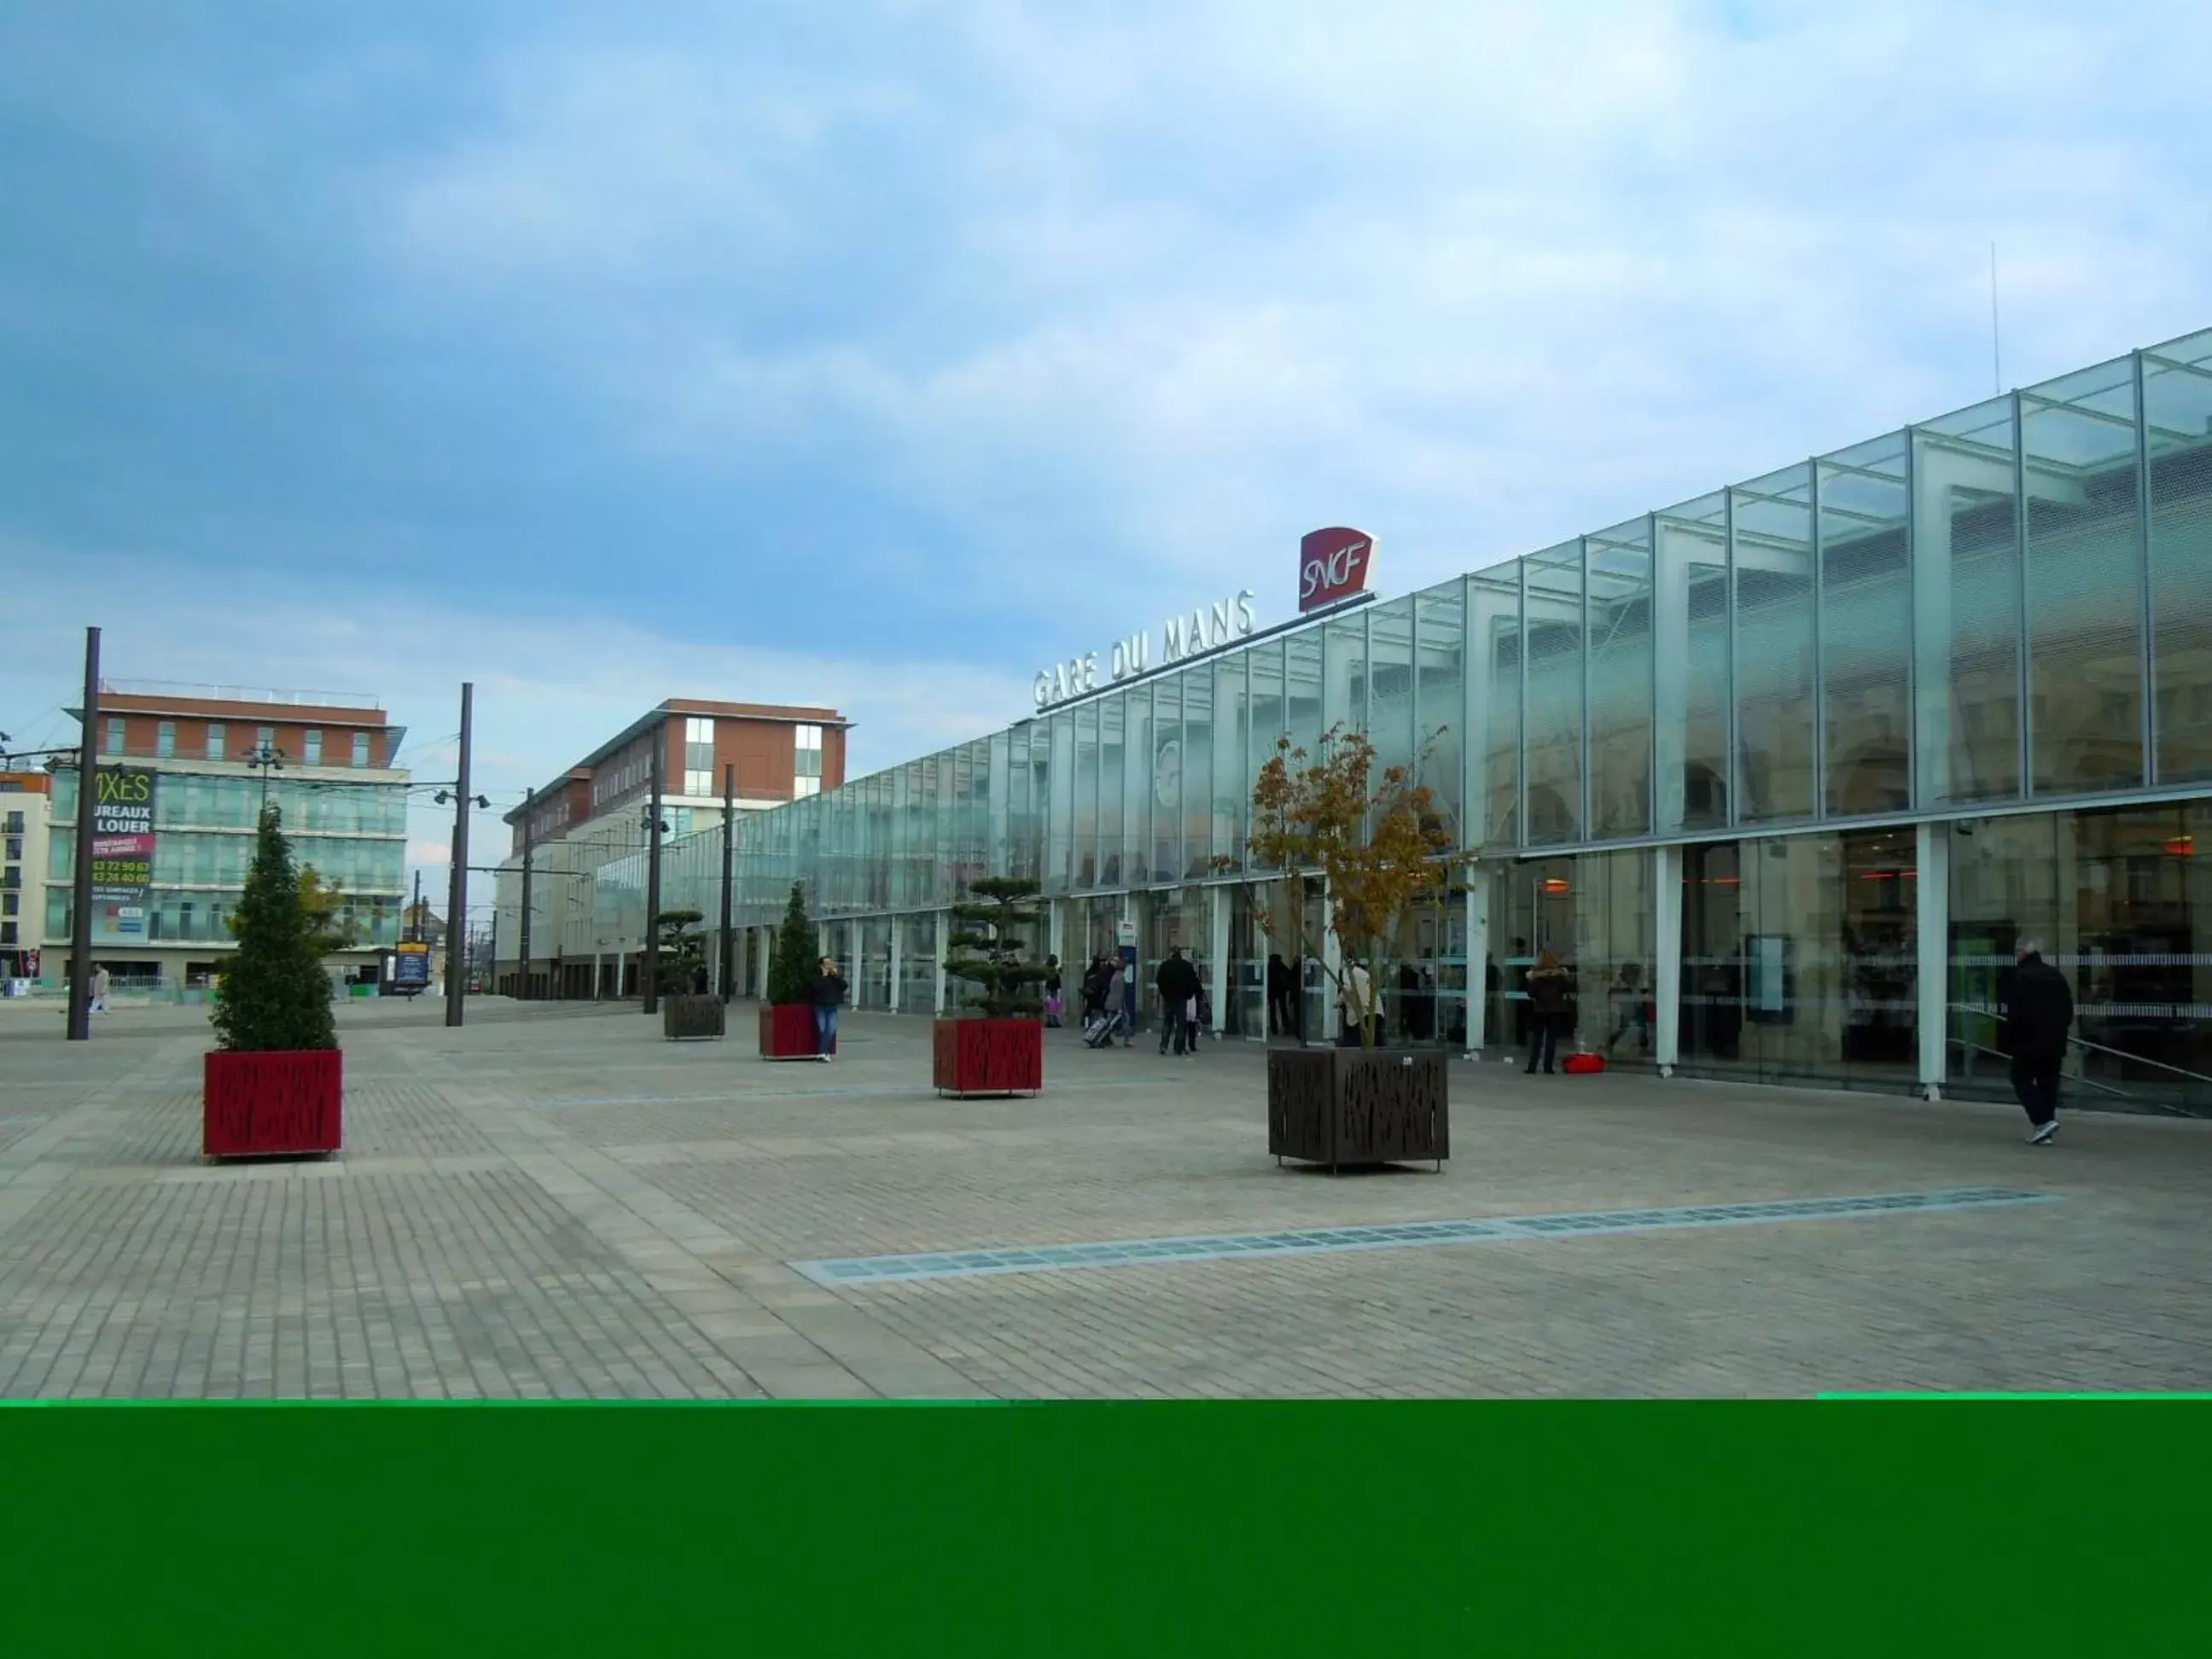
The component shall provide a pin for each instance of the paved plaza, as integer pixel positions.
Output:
(553, 1202)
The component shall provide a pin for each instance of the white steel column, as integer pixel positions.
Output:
(942, 933)
(892, 995)
(1666, 958)
(1218, 954)
(1476, 901)
(1332, 961)
(1932, 861)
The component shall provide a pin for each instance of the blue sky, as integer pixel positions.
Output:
(874, 353)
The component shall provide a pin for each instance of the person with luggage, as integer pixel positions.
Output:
(1548, 1009)
(1177, 980)
(827, 994)
(2038, 1008)
(1110, 1018)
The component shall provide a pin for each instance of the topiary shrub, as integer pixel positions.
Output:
(798, 956)
(274, 996)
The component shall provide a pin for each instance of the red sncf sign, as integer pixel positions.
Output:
(1333, 565)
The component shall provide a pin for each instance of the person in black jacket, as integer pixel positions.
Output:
(827, 992)
(2038, 1007)
(1177, 984)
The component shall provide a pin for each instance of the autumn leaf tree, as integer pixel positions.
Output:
(1375, 839)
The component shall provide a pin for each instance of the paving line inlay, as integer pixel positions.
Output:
(1314, 1241)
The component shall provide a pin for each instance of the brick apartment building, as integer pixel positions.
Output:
(586, 829)
(328, 760)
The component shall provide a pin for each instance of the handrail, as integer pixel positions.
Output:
(2084, 1042)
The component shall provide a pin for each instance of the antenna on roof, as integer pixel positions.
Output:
(1996, 357)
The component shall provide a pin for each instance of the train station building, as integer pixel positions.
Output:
(1782, 772)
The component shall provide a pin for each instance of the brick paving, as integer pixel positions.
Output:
(554, 1203)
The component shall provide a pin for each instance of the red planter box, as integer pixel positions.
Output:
(271, 1105)
(989, 1057)
(786, 1030)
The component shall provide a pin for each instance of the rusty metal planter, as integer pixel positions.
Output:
(1340, 1106)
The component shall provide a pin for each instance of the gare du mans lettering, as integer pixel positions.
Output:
(1203, 629)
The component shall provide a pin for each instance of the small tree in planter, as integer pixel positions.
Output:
(787, 1021)
(1000, 1049)
(276, 1081)
(1376, 841)
(685, 1010)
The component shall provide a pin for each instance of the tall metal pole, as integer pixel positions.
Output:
(415, 918)
(729, 865)
(651, 986)
(456, 899)
(522, 978)
(88, 796)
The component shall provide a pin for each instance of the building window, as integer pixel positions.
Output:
(10, 903)
(697, 730)
(15, 823)
(698, 783)
(265, 738)
(7, 933)
(361, 748)
(806, 761)
(215, 742)
(115, 737)
(14, 849)
(165, 739)
(314, 756)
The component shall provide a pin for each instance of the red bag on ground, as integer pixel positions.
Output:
(1579, 1065)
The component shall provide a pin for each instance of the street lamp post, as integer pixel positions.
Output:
(265, 757)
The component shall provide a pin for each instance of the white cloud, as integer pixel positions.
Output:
(1478, 278)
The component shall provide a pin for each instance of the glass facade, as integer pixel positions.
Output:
(353, 835)
(1724, 758)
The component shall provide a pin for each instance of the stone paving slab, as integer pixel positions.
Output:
(552, 1202)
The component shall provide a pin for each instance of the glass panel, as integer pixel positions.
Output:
(1619, 573)
(1439, 699)
(1086, 796)
(1390, 686)
(1137, 786)
(2178, 412)
(1494, 635)
(1554, 624)
(1060, 803)
(2114, 897)
(1692, 667)
(1772, 520)
(1111, 757)
(1799, 958)
(1302, 675)
(1345, 663)
(1197, 769)
(1167, 779)
(2084, 583)
(1967, 573)
(1232, 782)
(1866, 628)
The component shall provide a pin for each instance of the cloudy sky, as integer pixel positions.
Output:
(870, 354)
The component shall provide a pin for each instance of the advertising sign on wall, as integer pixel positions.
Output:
(1333, 565)
(122, 850)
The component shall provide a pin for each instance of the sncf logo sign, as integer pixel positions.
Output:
(1333, 565)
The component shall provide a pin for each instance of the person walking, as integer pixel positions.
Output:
(1630, 1010)
(1177, 980)
(100, 983)
(1355, 1003)
(1282, 996)
(827, 994)
(1052, 990)
(1110, 998)
(1548, 1009)
(2038, 1008)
